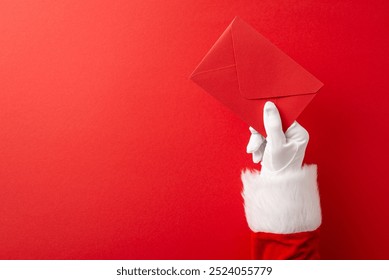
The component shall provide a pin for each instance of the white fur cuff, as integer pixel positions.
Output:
(284, 203)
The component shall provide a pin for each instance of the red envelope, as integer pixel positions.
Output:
(243, 70)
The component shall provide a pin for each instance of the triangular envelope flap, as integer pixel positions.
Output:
(220, 56)
(263, 70)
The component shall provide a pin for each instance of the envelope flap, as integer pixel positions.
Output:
(263, 70)
(219, 57)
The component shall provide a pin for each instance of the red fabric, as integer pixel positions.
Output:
(294, 246)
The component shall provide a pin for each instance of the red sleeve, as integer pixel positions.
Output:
(292, 246)
(284, 214)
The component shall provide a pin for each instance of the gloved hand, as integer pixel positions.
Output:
(282, 198)
(279, 152)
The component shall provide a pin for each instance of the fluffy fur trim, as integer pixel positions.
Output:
(282, 203)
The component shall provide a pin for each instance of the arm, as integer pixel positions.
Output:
(282, 202)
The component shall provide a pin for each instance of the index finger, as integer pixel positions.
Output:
(273, 124)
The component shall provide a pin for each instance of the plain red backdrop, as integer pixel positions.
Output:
(109, 151)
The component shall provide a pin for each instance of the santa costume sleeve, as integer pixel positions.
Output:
(283, 211)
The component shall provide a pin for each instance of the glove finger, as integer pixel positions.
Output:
(273, 125)
(255, 142)
(257, 156)
(297, 133)
(252, 130)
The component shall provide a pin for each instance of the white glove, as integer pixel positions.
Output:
(279, 152)
(283, 197)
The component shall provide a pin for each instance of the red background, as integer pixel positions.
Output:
(108, 151)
